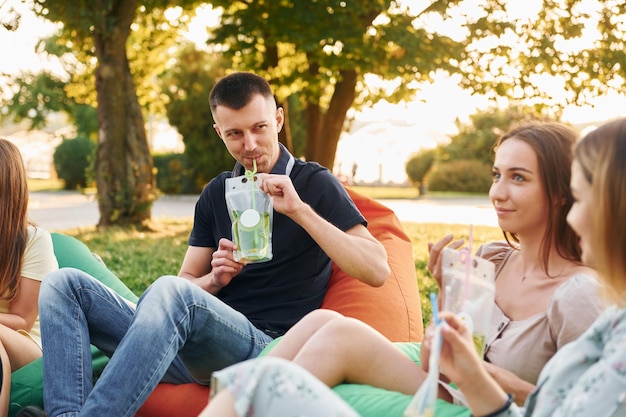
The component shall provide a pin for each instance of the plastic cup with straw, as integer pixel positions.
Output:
(251, 217)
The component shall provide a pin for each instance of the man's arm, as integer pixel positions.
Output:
(355, 251)
(209, 268)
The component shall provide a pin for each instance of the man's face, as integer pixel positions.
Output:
(251, 133)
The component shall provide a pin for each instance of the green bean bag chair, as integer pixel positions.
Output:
(27, 382)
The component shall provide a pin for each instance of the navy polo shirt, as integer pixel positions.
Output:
(274, 295)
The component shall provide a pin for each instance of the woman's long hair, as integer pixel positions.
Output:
(601, 155)
(13, 217)
(552, 143)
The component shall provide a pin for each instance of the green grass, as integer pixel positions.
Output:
(139, 257)
(54, 184)
(136, 256)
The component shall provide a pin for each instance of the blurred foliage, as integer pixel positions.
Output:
(9, 17)
(172, 174)
(476, 139)
(322, 51)
(328, 52)
(101, 35)
(464, 164)
(154, 35)
(34, 97)
(326, 57)
(464, 175)
(188, 87)
(73, 161)
(418, 166)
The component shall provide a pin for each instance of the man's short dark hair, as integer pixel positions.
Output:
(237, 89)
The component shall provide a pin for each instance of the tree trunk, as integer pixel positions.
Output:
(124, 176)
(271, 61)
(284, 136)
(340, 103)
(313, 122)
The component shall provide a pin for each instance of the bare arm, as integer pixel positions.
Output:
(510, 382)
(23, 310)
(209, 268)
(355, 251)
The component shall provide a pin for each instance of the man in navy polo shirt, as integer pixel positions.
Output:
(224, 311)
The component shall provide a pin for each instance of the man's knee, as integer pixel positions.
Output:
(62, 281)
(171, 291)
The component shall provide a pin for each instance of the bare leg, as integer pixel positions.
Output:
(347, 350)
(301, 332)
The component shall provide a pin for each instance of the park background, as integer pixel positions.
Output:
(450, 76)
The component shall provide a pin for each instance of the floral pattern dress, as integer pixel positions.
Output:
(276, 387)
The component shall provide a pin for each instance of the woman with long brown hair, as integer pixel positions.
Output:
(26, 257)
(586, 377)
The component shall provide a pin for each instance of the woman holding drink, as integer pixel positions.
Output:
(545, 297)
(587, 376)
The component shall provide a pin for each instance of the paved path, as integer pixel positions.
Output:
(68, 210)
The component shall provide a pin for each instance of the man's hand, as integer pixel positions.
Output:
(223, 265)
(285, 198)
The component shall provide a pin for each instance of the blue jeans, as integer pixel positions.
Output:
(178, 333)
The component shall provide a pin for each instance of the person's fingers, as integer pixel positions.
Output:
(441, 243)
(457, 323)
(456, 244)
(435, 257)
(434, 249)
(225, 244)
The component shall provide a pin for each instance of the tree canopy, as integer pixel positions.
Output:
(330, 56)
(326, 51)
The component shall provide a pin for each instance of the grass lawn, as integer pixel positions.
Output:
(139, 257)
(54, 184)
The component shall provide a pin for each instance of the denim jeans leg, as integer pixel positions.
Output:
(179, 333)
(75, 311)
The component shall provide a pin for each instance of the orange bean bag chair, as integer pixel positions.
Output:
(393, 309)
